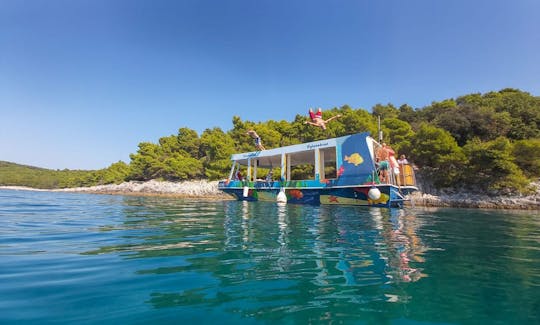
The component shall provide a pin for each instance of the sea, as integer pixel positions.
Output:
(70, 258)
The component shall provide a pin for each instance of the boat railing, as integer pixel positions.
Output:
(405, 177)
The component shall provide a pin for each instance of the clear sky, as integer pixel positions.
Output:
(83, 82)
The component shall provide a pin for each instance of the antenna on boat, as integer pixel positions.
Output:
(379, 128)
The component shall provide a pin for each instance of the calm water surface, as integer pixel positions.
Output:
(79, 258)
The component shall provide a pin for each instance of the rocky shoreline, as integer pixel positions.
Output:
(187, 189)
(465, 200)
(208, 190)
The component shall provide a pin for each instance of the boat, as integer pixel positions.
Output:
(339, 171)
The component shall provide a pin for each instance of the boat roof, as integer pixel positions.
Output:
(303, 153)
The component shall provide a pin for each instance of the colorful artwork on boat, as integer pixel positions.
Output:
(355, 175)
(354, 159)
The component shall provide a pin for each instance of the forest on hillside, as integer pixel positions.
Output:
(482, 142)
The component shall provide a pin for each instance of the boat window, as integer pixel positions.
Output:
(328, 163)
(302, 172)
(302, 165)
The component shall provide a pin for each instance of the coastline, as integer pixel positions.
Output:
(203, 189)
(476, 201)
(187, 189)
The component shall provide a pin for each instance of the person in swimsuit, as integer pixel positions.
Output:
(382, 157)
(256, 139)
(317, 120)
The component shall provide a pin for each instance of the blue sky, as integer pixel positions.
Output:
(82, 83)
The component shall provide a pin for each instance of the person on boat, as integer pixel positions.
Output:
(383, 170)
(391, 157)
(381, 161)
(256, 139)
(317, 120)
(239, 176)
(402, 160)
(269, 176)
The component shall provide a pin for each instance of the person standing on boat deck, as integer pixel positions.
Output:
(391, 158)
(384, 165)
(317, 120)
(402, 160)
(256, 139)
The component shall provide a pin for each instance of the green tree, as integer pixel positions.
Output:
(524, 110)
(288, 134)
(216, 150)
(114, 174)
(385, 111)
(181, 166)
(520, 108)
(188, 140)
(436, 149)
(466, 122)
(429, 113)
(398, 133)
(146, 164)
(492, 166)
(408, 114)
(168, 145)
(527, 156)
(357, 120)
(456, 123)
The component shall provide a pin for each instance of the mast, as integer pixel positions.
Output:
(379, 127)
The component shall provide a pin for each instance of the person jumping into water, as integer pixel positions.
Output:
(256, 139)
(317, 120)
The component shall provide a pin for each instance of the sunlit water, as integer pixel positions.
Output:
(79, 258)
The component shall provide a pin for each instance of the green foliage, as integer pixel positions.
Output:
(12, 174)
(489, 141)
(524, 111)
(466, 122)
(174, 158)
(114, 174)
(408, 114)
(430, 113)
(385, 111)
(355, 121)
(188, 140)
(216, 150)
(435, 148)
(146, 163)
(517, 113)
(527, 156)
(398, 133)
(492, 166)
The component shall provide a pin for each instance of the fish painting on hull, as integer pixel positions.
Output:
(297, 194)
(354, 159)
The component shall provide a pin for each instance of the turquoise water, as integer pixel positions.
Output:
(79, 258)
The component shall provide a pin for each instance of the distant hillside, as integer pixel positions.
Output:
(12, 174)
(482, 142)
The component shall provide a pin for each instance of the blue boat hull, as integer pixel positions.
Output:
(390, 195)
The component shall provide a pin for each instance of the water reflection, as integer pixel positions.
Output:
(403, 245)
(184, 260)
(254, 258)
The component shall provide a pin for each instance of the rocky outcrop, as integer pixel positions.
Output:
(468, 200)
(202, 188)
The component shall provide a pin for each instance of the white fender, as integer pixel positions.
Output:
(281, 197)
(374, 193)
